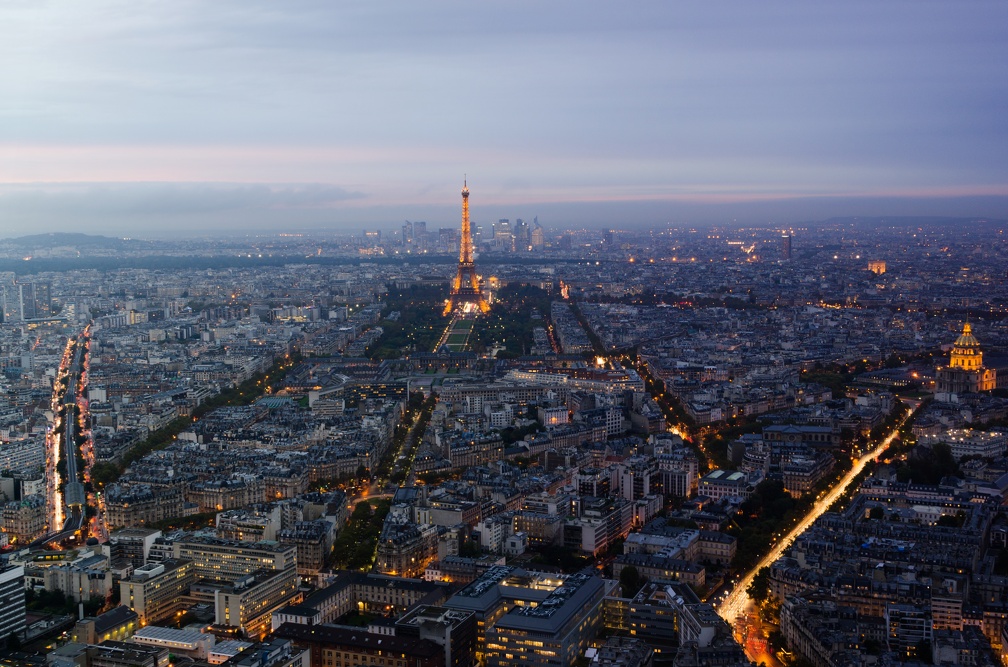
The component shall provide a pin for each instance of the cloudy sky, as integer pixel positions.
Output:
(152, 118)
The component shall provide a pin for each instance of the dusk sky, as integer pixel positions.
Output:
(159, 118)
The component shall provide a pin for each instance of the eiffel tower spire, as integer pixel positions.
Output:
(466, 288)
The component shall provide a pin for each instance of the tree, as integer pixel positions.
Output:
(630, 580)
(103, 474)
(470, 548)
(759, 589)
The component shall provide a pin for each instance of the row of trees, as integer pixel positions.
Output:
(509, 320)
(410, 438)
(418, 326)
(355, 545)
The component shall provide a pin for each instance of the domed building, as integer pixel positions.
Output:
(965, 372)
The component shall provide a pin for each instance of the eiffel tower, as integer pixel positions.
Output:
(466, 295)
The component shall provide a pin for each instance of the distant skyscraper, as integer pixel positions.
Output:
(786, 246)
(522, 234)
(538, 236)
(466, 291)
(26, 301)
(503, 237)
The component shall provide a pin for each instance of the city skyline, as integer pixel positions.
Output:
(191, 118)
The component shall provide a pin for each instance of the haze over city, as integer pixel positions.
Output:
(186, 117)
(479, 335)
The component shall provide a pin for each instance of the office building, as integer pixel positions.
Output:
(125, 654)
(156, 591)
(571, 612)
(336, 644)
(12, 601)
(452, 629)
(554, 632)
(226, 560)
(249, 602)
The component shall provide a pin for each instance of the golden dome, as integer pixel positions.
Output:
(966, 339)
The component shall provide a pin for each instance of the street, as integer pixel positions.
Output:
(738, 603)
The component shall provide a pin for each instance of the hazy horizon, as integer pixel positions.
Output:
(181, 216)
(161, 120)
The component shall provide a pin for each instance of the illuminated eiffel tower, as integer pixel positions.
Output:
(466, 295)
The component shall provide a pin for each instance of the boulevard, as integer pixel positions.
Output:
(735, 605)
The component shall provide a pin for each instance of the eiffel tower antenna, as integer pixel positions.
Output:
(466, 288)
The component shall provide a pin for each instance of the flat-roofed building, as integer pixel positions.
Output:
(249, 525)
(503, 588)
(333, 644)
(277, 652)
(652, 614)
(186, 641)
(227, 560)
(452, 629)
(12, 600)
(720, 484)
(158, 590)
(124, 654)
(132, 544)
(624, 652)
(249, 602)
(554, 632)
(225, 650)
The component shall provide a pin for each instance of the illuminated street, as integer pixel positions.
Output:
(65, 505)
(738, 602)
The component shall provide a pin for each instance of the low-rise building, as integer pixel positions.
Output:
(118, 623)
(720, 484)
(332, 644)
(186, 641)
(125, 654)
